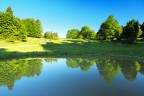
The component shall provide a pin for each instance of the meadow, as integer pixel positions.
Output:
(69, 48)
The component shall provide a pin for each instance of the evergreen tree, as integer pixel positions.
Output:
(10, 28)
(109, 29)
(131, 31)
(33, 28)
(9, 10)
(39, 28)
(142, 28)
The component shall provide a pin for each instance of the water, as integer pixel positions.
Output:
(71, 77)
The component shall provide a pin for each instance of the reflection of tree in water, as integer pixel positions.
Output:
(51, 60)
(109, 68)
(129, 69)
(13, 70)
(84, 64)
(141, 67)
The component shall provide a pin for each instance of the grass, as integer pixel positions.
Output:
(42, 47)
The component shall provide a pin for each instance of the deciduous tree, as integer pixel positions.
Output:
(109, 29)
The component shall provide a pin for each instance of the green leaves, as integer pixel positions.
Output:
(51, 35)
(85, 33)
(32, 27)
(131, 31)
(109, 29)
(11, 27)
(72, 34)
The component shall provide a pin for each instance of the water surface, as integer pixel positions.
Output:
(71, 77)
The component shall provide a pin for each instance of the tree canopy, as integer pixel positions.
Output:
(9, 10)
(142, 28)
(12, 28)
(72, 34)
(109, 30)
(131, 31)
(51, 35)
(33, 27)
(85, 33)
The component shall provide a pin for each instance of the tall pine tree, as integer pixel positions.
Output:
(142, 28)
(9, 10)
(33, 28)
(11, 28)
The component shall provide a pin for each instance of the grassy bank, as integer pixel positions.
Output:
(61, 48)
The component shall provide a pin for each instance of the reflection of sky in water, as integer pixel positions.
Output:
(57, 79)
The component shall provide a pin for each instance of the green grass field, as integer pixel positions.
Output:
(43, 47)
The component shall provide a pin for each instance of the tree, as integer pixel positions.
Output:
(92, 34)
(84, 64)
(14, 70)
(72, 34)
(109, 29)
(142, 28)
(33, 28)
(39, 28)
(108, 69)
(11, 28)
(131, 31)
(9, 10)
(129, 70)
(51, 35)
(87, 33)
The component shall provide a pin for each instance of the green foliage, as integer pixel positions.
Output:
(109, 30)
(129, 70)
(72, 34)
(13, 70)
(33, 28)
(11, 28)
(108, 69)
(142, 28)
(9, 10)
(51, 35)
(131, 31)
(84, 64)
(87, 33)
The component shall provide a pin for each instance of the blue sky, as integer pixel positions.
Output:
(62, 15)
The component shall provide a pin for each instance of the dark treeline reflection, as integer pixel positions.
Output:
(51, 60)
(109, 68)
(11, 71)
(84, 64)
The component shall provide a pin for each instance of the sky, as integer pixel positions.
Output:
(61, 15)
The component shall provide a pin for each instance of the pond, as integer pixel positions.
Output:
(71, 77)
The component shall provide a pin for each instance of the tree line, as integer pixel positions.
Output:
(51, 35)
(109, 68)
(13, 28)
(110, 30)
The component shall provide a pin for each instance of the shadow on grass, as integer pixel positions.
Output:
(79, 48)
